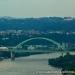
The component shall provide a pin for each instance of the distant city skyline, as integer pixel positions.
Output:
(37, 8)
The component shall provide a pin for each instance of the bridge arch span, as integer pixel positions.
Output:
(49, 40)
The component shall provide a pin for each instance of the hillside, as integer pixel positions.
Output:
(41, 24)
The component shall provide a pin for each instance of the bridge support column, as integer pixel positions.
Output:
(12, 56)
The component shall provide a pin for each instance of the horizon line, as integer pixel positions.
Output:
(37, 17)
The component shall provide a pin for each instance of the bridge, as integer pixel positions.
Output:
(18, 48)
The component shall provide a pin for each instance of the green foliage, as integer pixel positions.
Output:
(66, 62)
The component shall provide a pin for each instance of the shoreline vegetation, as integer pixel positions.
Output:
(66, 62)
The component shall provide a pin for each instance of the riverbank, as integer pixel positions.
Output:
(66, 62)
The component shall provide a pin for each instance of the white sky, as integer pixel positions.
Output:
(37, 8)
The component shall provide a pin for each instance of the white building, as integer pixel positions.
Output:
(3, 48)
(31, 47)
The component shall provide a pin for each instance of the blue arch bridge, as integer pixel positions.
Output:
(60, 47)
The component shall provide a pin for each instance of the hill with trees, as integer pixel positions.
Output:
(41, 24)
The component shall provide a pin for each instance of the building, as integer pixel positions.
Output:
(3, 48)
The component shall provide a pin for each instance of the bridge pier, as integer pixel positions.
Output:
(12, 56)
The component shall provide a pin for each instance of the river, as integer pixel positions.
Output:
(31, 65)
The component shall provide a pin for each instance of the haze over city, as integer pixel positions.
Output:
(37, 8)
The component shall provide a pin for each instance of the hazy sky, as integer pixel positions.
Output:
(37, 8)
